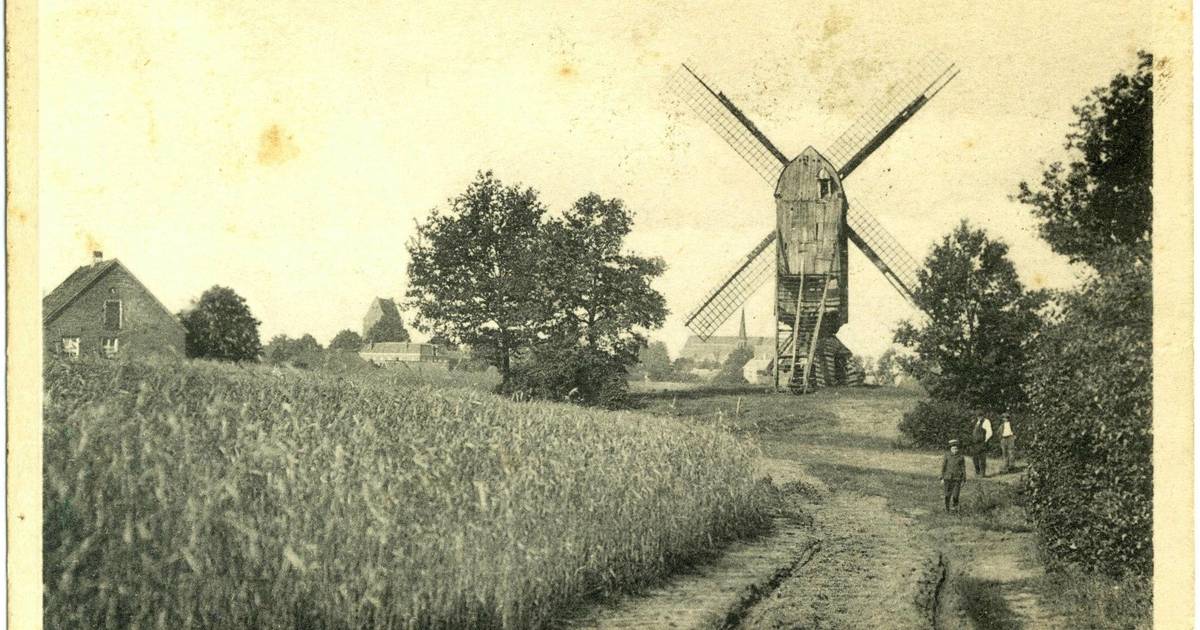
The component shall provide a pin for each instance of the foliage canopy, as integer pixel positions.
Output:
(220, 326)
(519, 287)
(346, 340)
(971, 347)
(1103, 197)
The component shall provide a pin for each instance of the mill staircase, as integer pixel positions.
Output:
(798, 350)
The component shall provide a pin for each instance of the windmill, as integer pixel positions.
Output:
(808, 249)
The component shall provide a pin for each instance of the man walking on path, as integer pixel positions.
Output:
(954, 472)
(980, 435)
(1007, 442)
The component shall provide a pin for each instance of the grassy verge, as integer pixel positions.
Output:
(1098, 601)
(195, 495)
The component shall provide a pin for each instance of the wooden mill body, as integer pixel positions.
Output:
(810, 209)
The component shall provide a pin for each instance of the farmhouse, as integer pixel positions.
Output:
(101, 309)
(408, 354)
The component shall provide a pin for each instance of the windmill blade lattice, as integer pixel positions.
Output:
(882, 249)
(730, 123)
(888, 113)
(722, 302)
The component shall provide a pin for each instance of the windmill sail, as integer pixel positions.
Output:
(730, 123)
(882, 249)
(754, 269)
(882, 119)
(719, 304)
(888, 113)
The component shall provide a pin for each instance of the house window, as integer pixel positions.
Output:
(112, 315)
(70, 346)
(110, 346)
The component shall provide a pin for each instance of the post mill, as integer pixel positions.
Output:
(814, 221)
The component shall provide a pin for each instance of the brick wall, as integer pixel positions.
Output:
(145, 328)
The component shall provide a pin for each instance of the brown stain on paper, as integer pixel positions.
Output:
(567, 71)
(834, 24)
(276, 146)
(90, 243)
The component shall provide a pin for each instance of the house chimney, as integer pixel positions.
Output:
(97, 257)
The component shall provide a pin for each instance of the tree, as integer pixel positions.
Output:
(1089, 436)
(278, 349)
(971, 348)
(600, 295)
(476, 272)
(885, 368)
(732, 370)
(440, 339)
(1090, 393)
(655, 361)
(302, 352)
(595, 304)
(220, 326)
(346, 340)
(388, 328)
(1103, 197)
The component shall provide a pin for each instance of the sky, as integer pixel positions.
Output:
(287, 149)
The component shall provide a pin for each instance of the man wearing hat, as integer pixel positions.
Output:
(954, 472)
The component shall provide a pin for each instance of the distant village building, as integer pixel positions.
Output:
(397, 353)
(103, 310)
(760, 369)
(716, 349)
(379, 309)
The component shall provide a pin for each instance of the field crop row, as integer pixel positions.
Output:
(196, 495)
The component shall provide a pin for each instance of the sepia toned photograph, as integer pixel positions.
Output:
(369, 315)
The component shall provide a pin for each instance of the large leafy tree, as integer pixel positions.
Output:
(1102, 198)
(971, 347)
(390, 327)
(220, 326)
(346, 340)
(476, 270)
(600, 295)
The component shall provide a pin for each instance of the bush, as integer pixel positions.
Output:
(569, 375)
(732, 370)
(185, 495)
(933, 423)
(1091, 478)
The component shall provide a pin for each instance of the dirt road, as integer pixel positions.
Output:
(877, 550)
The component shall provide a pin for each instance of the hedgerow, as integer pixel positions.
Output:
(197, 495)
(1091, 480)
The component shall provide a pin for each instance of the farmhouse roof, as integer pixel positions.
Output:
(80, 281)
(393, 346)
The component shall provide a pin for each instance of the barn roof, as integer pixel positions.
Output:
(81, 280)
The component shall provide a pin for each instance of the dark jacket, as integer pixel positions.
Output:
(954, 467)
